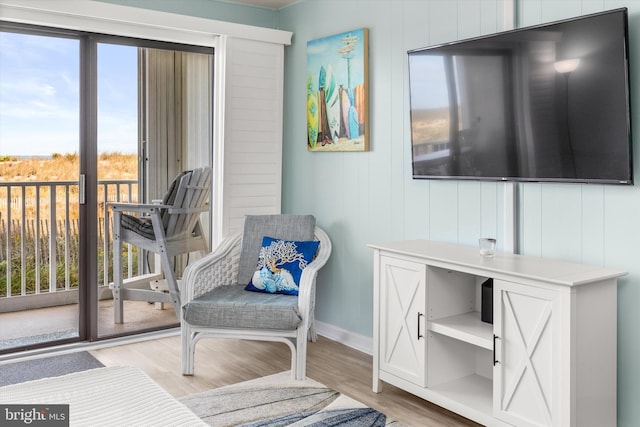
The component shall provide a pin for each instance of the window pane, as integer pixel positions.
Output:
(39, 95)
(39, 142)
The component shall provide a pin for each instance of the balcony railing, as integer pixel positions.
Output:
(39, 236)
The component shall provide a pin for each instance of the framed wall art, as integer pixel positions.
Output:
(337, 92)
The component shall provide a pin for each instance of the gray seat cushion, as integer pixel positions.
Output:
(139, 225)
(284, 227)
(233, 307)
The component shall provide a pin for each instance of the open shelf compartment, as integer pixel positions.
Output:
(460, 371)
(466, 327)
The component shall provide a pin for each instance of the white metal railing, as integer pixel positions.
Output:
(39, 234)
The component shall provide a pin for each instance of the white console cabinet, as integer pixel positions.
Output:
(548, 359)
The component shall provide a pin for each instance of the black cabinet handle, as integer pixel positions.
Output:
(494, 349)
(419, 334)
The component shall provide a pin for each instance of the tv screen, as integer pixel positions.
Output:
(543, 103)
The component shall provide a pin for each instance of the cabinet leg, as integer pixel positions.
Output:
(377, 385)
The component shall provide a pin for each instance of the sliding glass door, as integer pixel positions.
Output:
(87, 119)
(154, 121)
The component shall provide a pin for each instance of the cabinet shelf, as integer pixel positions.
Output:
(473, 391)
(465, 327)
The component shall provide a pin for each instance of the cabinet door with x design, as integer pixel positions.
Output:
(527, 378)
(402, 311)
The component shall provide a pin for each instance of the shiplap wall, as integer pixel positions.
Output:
(370, 197)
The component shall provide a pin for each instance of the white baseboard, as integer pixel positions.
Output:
(348, 338)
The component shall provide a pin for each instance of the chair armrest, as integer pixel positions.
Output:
(218, 268)
(307, 290)
(172, 210)
(136, 207)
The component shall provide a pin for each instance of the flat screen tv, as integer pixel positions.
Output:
(543, 103)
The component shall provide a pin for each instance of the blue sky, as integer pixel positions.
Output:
(428, 82)
(323, 52)
(39, 96)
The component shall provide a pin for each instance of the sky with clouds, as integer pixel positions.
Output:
(39, 96)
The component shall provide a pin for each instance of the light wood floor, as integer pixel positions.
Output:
(221, 362)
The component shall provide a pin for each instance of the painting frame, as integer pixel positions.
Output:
(338, 92)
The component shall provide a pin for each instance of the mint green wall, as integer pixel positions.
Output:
(369, 197)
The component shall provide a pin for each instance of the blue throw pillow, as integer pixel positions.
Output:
(280, 265)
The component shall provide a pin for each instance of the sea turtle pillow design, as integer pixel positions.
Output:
(280, 265)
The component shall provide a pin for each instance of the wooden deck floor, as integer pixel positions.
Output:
(41, 324)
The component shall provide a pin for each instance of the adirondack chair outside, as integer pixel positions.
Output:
(168, 229)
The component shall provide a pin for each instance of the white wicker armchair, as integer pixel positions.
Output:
(220, 268)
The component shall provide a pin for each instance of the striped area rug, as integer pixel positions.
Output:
(276, 400)
(121, 396)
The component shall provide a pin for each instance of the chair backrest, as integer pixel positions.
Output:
(285, 227)
(188, 196)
